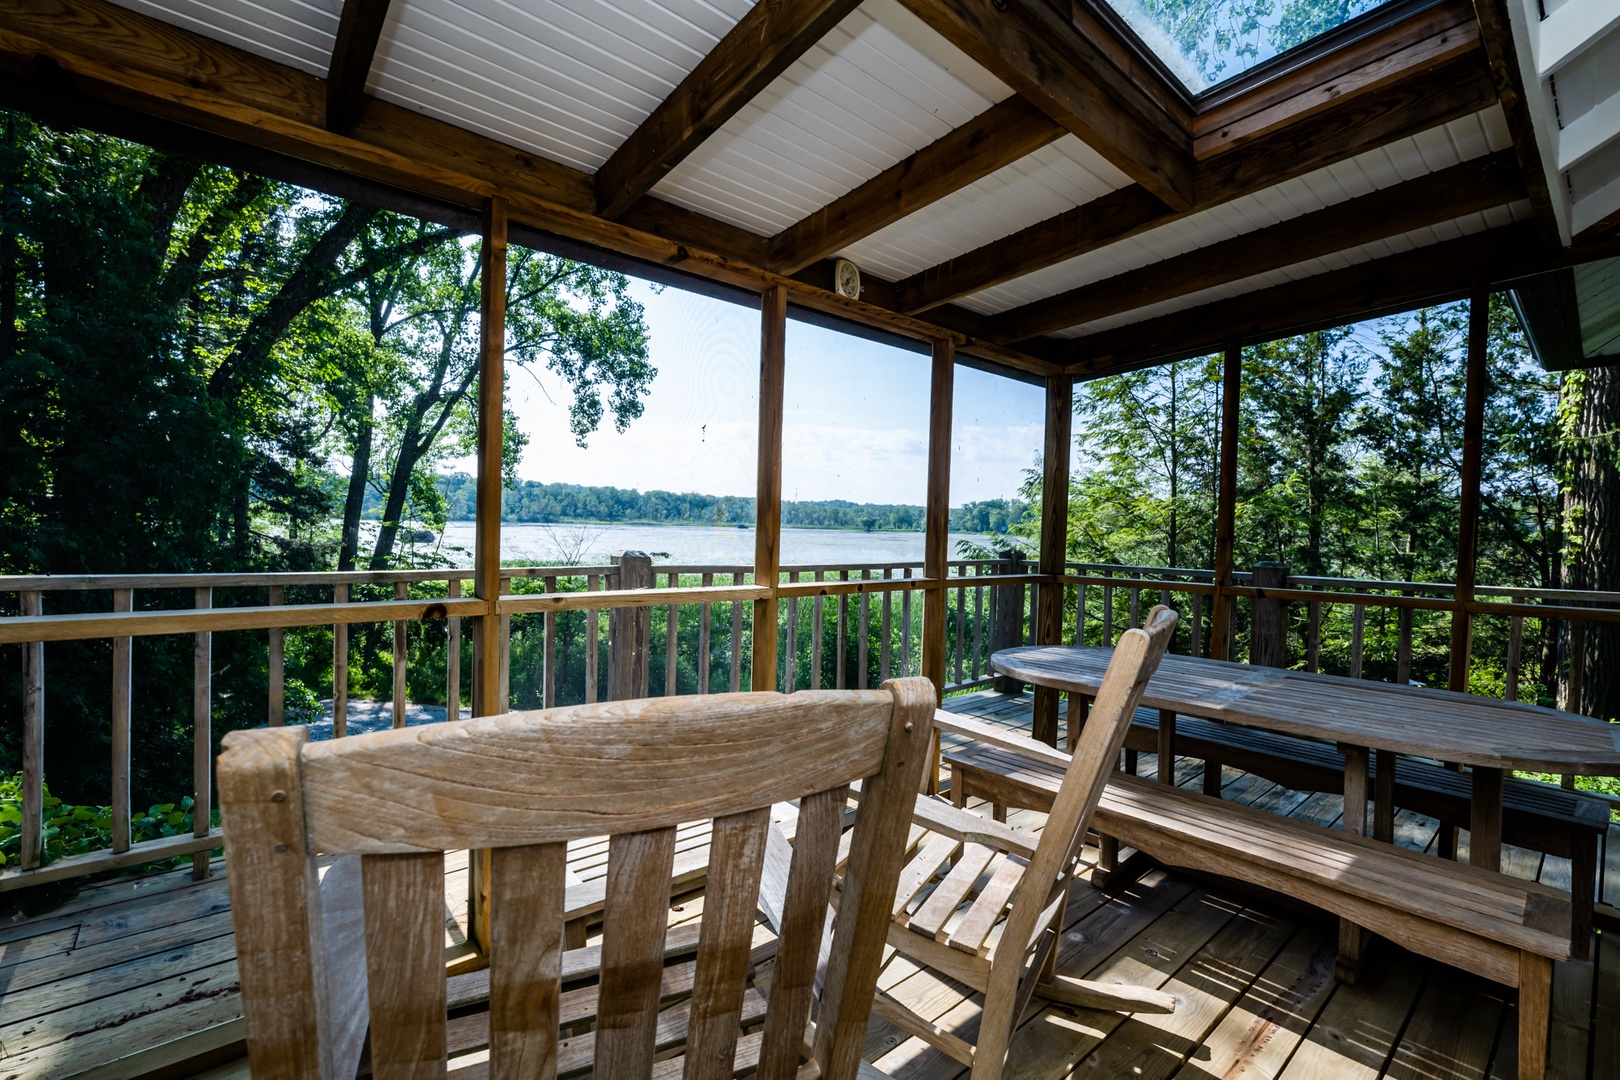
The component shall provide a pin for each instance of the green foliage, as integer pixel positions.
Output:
(80, 830)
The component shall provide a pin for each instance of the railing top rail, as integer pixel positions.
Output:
(1158, 571)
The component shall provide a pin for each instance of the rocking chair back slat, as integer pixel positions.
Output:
(404, 898)
(525, 960)
(633, 925)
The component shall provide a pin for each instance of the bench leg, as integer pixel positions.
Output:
(1535, 1014)
(1212, 778)
(1583, 848)
(1167, 747)
(1352, 940)
(958, 789)
(1130, 762)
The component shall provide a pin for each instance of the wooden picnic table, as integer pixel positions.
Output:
(1362, 717)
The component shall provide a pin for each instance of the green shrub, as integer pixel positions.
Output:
(79, 830)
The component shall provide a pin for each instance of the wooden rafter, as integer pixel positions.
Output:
(1033, 49)
(760, 47)
(1400, 282)
(1467, 188)
(94, 51)
(1497, 35)
(359, 29)
(1421, 101)
(996, 137)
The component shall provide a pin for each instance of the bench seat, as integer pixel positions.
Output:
(1507, 930)
(1539, 817)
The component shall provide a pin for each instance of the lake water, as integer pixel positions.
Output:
(712, 544)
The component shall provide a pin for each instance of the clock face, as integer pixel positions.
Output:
(848, 279)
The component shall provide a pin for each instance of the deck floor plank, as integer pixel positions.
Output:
(136, 966)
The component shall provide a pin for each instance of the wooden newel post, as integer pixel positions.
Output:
(1268, 645)
(630, 632)
(1221, 631)
(1048, 612)
(1007, 622)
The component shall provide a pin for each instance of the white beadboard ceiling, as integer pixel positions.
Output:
(1407, 159)
(294, 32)
(875, 90)
(567, 79)
(1395, 245)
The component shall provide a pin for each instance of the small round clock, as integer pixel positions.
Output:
(847, 279)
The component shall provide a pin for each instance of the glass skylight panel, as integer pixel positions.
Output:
(1206, 42)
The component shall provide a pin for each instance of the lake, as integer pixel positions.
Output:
(692, 544)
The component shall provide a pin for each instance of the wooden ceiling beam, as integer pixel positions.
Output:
(359, 30)
(96, 51)
(1496, 33)
(1035, 50)
(760, 47)
(1473, 186)
(1401, 282)
(995, 138)
(1417, 103)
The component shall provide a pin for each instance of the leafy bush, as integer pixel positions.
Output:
(79, 830)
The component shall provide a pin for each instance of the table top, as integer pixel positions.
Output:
(1406, 719)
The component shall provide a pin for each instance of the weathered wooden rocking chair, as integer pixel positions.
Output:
(524, 785)
(1004, 943)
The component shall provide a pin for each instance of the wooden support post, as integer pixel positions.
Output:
(1515, 651)
(1485, 819)
(1474, 392)
(1268, 637)
(122, 694)
(1384, 797)
(452, 657)
(340, 668)
(202, 736)
(401, 650)
(486, 682)
(1054, 539)
(630, 632)
(276, 662)
(592, 629)
(768, 489)
(1226, 503)
(33, 793)
(1313, 636)
(936, 535)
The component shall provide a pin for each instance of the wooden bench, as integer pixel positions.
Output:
(1507, 930)
(1565, 824)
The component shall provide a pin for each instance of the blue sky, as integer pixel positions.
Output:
(856, 422)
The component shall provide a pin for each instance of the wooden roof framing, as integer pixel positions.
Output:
(1070, 199)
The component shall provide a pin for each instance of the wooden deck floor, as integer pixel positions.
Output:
(134, 977)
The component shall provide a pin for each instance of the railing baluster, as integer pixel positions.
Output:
(1575, 689)
(452, 657)
(1108, 616)
(705, 618)
(815, 638)
(202, 736)
(1195, 630)
(887, 628)
(122, 690)
(1515, 649)
(1313, 636)
(843, 632)
(905, 629)
(276, 664)
(790, 651)
(978, 625)
(862, 646)
(33, 793)
(592, 620)
(736, 636)
(505, 680)
(548, 661)
(1136, 608)
(340, 667)
(401, 645)
(961, 619)
(672, 656)
(1403, 644)
(1079, 614)
(1358, 638)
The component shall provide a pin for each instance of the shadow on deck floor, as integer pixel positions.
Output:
(137, 977)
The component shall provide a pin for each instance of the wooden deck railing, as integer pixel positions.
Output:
(839, 625)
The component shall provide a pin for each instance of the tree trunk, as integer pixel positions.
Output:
(399, 486)
(355, 500)
(1592, 502)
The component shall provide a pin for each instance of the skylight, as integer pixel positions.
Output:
(1206, 42)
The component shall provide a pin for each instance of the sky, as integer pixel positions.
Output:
(855, 424)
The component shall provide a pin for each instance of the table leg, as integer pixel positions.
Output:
(1167, 747)
(1079, 711)
(1384, 798)
(1354, 821)
(1485, 819)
